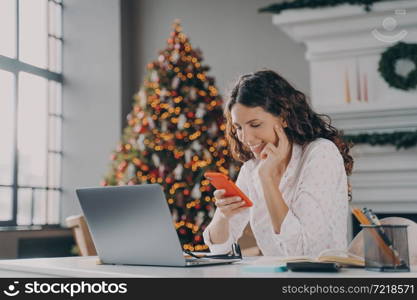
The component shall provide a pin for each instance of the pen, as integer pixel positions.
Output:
(374, 218)
(374, 221)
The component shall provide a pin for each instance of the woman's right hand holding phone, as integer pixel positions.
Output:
(228, 206)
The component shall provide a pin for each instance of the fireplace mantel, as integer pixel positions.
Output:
(343, 48)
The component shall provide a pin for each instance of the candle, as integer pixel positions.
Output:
(365, 87)
(347, 89)
(358, 81)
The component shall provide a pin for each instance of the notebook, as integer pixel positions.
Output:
(342, 257)
(132, 225)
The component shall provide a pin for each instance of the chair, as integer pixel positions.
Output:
(81, 235)
(356, 246)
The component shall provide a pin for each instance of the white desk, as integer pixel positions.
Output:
(88, 267)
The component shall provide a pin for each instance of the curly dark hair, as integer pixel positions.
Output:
(277, 96)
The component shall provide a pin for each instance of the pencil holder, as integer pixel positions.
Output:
(386, 248)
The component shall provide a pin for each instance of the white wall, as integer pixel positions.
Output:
(91, 94)
(232, 35)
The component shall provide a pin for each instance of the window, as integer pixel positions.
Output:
(30, 112)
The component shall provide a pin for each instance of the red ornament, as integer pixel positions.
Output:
(190, 114)
(197, 206)
(144, 168)
(197, 238)
(182, 231)
(122, 167)
(186, 192)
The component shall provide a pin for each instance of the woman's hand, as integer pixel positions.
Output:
(228, 206)
(274, 158)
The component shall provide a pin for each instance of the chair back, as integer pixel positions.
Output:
(81, 235)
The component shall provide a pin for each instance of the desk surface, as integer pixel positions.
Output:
(88, 267)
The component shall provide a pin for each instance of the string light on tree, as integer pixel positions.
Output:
(175, 133)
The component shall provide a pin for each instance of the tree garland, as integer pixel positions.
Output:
(296, 4)
(388, 61)
(400, 139)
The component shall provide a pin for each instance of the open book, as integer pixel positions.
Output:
(342, 257)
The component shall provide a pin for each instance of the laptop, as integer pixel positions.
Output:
(132, 225)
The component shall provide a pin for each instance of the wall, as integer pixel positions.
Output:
(232, 35)
(91, 93)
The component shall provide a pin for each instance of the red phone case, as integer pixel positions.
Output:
(222, 182)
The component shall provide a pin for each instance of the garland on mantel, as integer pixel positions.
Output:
(296, 4)
(400, 139)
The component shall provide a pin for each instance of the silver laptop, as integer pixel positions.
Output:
(133, 225)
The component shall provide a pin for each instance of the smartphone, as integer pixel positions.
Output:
(222, 182)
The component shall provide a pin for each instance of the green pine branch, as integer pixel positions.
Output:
(403, 139)
(297, 4)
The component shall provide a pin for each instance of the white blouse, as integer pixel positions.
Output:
(314, 187)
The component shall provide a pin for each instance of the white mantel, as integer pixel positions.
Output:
(342, 49)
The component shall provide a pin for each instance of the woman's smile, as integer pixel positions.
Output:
(257, 148)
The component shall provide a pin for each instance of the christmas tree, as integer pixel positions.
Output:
(175, 133)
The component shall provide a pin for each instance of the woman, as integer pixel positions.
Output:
(295, 167)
